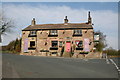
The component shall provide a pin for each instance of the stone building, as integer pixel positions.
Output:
(58, 39)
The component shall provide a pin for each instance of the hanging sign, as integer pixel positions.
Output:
(96, 37)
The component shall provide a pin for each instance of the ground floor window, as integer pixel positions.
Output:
(32, 43)
(60, 43)
(54, 43)
(79, 43)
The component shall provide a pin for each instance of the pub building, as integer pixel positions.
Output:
(58, 39)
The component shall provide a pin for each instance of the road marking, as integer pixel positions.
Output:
(115, 65)
(107, 60)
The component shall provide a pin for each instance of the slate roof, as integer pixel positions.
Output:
(58, 26)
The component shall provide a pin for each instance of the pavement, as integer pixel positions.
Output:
(21, 66)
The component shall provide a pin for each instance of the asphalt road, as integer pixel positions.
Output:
(19, 66)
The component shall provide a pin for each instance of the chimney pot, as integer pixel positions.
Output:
(65, 20)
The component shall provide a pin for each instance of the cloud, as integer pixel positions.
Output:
(104, 20)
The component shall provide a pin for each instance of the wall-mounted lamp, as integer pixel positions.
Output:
(63, 31)
(45, 43)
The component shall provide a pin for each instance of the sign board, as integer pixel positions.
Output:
(96, 37)
(86, 44)
(77, 42)
(25, 45)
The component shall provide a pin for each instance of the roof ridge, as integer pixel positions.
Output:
(59, 26)
(59, 23)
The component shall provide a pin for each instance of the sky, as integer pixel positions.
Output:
(104, 16)
(59, 0)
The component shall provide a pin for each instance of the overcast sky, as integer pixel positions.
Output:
(104, 16)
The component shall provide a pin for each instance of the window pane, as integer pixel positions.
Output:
(32, 43)
(80, 44)
(54, 43)
(53, 32)
(32, 32)
(79, 31)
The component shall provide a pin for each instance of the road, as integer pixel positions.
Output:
(20, 66)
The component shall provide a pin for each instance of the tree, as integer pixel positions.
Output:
(14, 46)
(112, 52)
(18, 45)
(6, 25)
(10, 46)
(102, 42)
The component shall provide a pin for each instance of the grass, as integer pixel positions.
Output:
(12, 52)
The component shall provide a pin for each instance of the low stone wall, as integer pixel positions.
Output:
(75, 55)
(89, 55)
(39, 54)
(94, 55)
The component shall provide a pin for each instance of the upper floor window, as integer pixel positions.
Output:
(32, 34)
(78, 32)
(53, 32)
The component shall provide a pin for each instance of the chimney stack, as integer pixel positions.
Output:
(33, 22)
(89, 18)
(65, 20)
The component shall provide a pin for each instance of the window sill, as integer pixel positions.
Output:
(53, 48)
(31, 48)
(77, 35)
(32, 35)
(52, 35)
(79, 48)
(44, 50)
(83, 52)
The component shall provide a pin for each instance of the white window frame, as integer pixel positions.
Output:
(78, 31)
(53, 32)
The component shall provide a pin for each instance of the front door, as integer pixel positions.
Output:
(68, 46)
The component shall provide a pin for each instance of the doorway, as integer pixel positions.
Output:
(68, 46)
